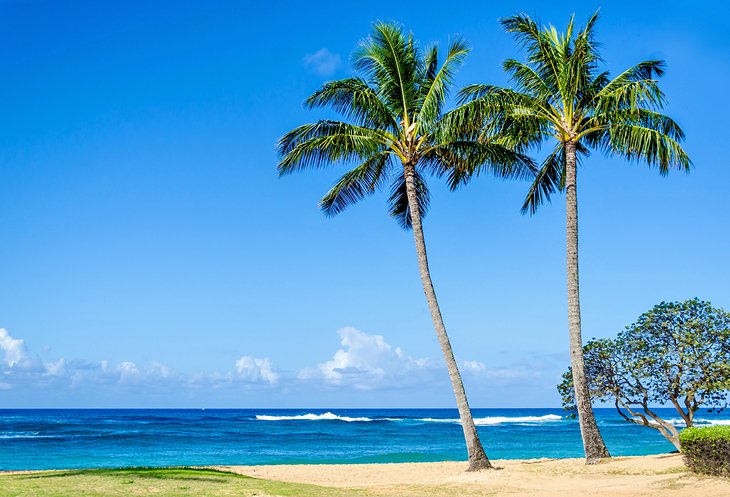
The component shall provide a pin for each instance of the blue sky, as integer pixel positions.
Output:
(150, 255)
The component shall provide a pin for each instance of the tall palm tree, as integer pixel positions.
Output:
(560, 95)
(396, 131)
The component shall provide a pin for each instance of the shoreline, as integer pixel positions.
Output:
(497, 463)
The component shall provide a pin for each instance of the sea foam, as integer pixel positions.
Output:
(496, 420)
(328, 416)
(23, 435)
(699, 421)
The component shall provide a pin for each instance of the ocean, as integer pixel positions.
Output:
(94, 438)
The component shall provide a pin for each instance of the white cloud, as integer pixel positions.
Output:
(159, 369)
(474, 367)
(19, 371)
(367, 361)
(361, 362)
(127, 371)
(323, 62)
(13, 348)
(516, 373)
(256, 370)
(57, 368)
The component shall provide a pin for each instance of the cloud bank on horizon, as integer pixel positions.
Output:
(363, 363)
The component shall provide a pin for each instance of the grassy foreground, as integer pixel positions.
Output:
(662, 475)
(160, 482)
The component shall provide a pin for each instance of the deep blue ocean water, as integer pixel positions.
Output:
(87, 438)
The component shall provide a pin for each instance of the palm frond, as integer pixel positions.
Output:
(435, 88)
(543, 49)
(354, 185)
(398, 201)
(327, 142)
(527, 80)
(642, 142)
(355, 100)
(461, 160)
(582, 62)
(643, 117)
(501, 111)
(549, 179)
(637, 86)
(391, 61)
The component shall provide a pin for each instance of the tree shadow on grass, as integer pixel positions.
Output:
(173, 474)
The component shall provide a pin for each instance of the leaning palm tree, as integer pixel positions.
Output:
(560, 95)
(395, 131)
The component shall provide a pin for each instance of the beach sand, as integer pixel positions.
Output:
(661, 475)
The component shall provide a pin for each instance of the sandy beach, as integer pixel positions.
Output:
(661, 475)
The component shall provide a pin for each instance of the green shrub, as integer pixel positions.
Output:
(707, 450)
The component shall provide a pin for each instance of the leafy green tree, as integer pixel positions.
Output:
(396, 131)
(561, 95)
(676, 354)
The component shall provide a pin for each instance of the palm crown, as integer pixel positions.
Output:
(394, 112)
(561, 93)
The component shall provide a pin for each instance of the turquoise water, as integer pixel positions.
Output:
(56, 439)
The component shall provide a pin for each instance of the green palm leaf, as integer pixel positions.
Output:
(354, 185)
(355, 100)
(325, 142)
(437, 83)
(645, 143)
(399, 209)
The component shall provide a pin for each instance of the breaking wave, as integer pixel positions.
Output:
(23, 435)
(496, 420)
(701, 421)
(328, 416)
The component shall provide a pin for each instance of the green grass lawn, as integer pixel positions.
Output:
(159, 482)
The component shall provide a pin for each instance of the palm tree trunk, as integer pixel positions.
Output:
(593, 445)
(477, 457)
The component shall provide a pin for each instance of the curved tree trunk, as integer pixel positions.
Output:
(593, 445)
(477, 457)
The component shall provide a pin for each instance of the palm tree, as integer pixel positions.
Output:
(396, 131)
(561, 95)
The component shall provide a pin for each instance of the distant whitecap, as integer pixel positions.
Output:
(328, 416)
(496, 420)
